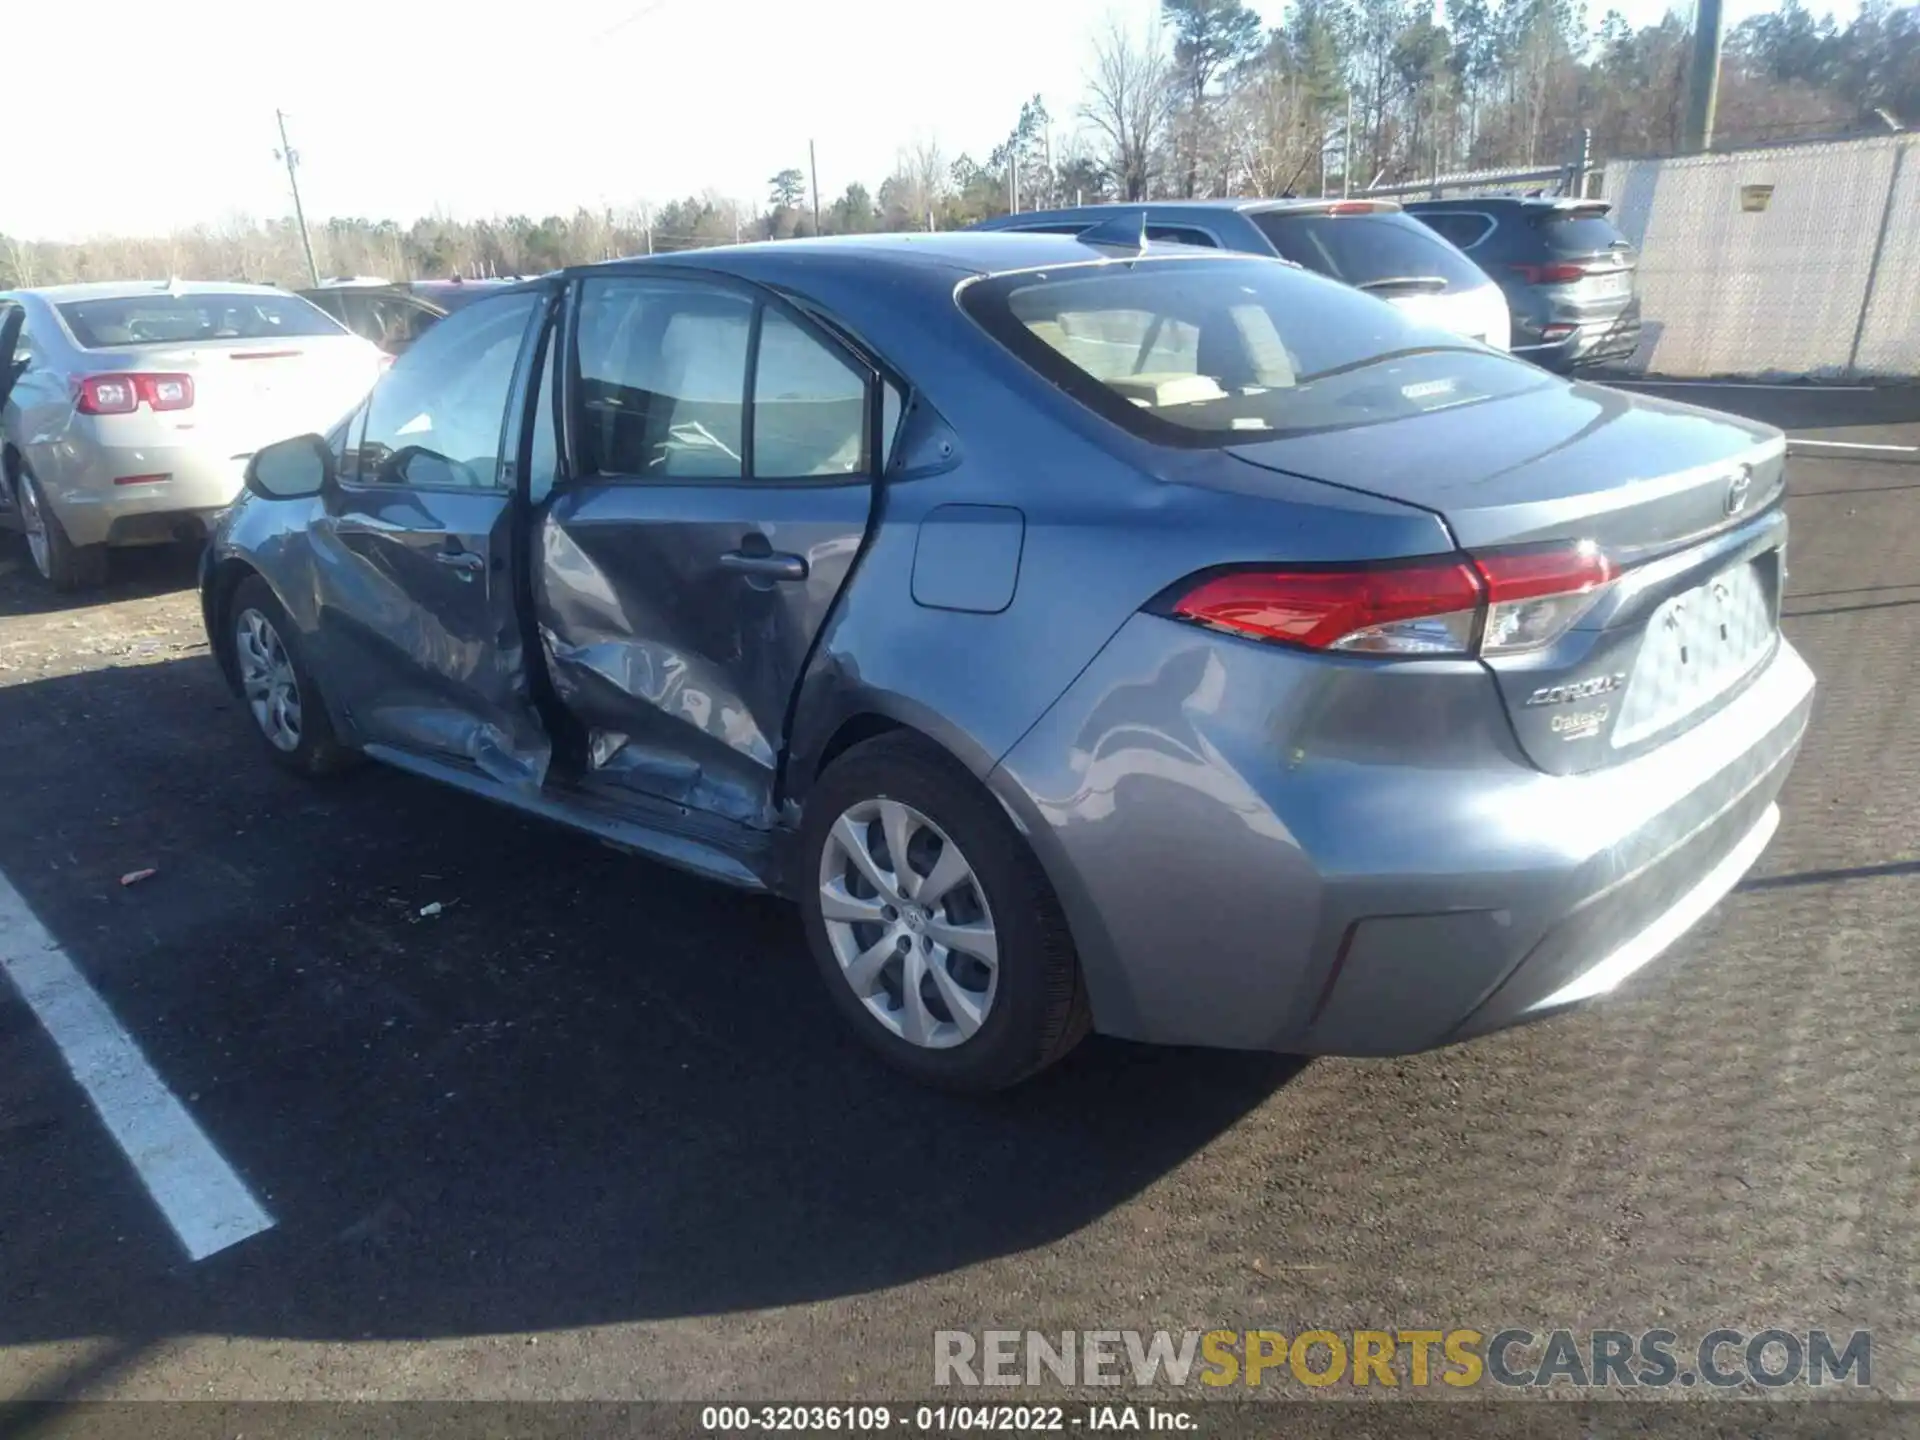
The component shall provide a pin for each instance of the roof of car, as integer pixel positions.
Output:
(1241, 204)
(974, 252)
(128, 289)
(1529, 202)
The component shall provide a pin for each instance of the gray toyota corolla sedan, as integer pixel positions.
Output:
(1085, 635)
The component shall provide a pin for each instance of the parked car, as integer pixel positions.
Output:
(1181, 645)
(1367, 244)
(393, 315)
(1568, 273)
(128, 410)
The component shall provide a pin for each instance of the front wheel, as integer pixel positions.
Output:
(281, 694)
(932, 923)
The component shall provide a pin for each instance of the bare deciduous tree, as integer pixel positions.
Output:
(1129, 103)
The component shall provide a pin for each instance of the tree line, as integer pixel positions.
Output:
(1213, 99)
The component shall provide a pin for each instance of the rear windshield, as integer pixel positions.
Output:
(1220, 352)
(109, 324)
(1368, 248)
(1578, 232)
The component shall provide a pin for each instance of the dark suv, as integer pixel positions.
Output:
(395, 314)
(1568, 273)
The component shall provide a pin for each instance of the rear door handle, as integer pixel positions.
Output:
(776, 566)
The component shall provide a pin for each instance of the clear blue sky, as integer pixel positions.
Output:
(141, 117)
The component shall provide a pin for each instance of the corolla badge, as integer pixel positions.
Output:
(1576, 690)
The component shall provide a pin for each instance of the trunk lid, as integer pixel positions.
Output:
(1680, 499)
(249, 393)
(1558, 461)
(1479, 314)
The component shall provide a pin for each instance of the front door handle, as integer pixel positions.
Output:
(465, 561)
(774, 566)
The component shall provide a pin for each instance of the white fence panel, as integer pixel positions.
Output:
(1780, 290)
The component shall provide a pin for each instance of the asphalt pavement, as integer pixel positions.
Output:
(589, 1129)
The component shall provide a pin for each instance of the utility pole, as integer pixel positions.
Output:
(814, 166)
(287, 153)
(1703, 78)
(1013, 182)
(1346, 149)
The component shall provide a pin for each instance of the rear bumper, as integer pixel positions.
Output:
(1245, 864)
(1592, 340)
(86, 485)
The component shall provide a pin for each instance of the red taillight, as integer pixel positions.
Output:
(1533, 596)
(166, 392)
(1356, 207)
(1424, 608)
(124, 392)
(107, 395)
(1496, 603)
(1557, 274)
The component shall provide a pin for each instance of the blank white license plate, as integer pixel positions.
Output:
(1697, 645)
(1607, 287)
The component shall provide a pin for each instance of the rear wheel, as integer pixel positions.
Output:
(61, 563)
(281, 694)
(933, 925)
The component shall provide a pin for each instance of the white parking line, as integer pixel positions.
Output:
(1853, 445)
(207, 1205)
(1744, 385)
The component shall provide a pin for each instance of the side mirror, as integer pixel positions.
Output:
(294, 469)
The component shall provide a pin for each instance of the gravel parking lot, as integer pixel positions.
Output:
(591, 1130)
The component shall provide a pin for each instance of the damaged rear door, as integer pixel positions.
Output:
(719, 486)
(416, 553)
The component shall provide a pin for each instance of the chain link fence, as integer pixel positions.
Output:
(1797, 262)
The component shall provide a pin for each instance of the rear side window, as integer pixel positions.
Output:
(1203, 352)
(162, 319)
(1460, 229)
(809, 406)
(663, 379)
(664, 392)
(1367, 249)
(1578, 232)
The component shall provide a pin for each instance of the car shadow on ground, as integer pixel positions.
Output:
(584, 1090)
(132, 574)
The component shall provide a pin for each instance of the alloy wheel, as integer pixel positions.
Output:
(267, 679)
(908, 922)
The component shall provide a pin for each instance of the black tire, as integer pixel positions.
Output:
(318, 752)
(68, 567)
(1038, 1010)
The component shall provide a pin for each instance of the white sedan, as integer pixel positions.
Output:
(129, 409)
